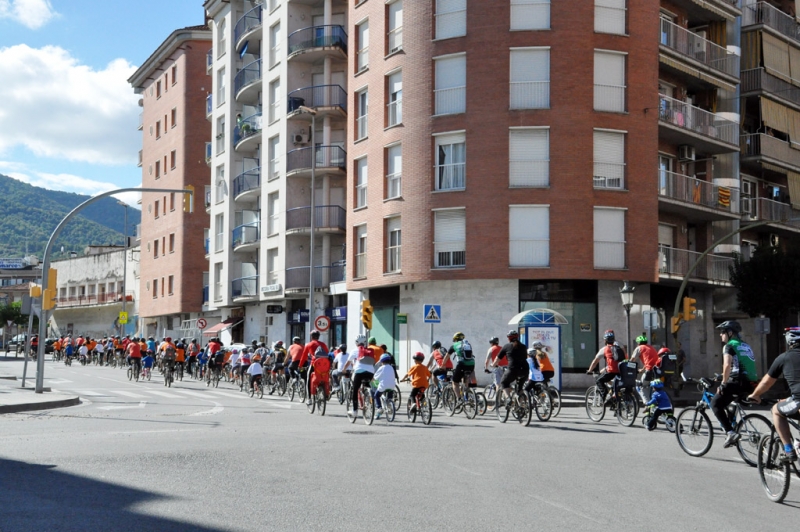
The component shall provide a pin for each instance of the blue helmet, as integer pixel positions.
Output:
(608, 336)
(656, 383)
(387, 359)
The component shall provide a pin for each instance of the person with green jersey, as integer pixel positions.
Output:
(738, 371)
(461, 353)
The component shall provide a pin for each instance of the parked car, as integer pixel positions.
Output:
(16, 343)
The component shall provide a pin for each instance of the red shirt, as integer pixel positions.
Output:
(649, 356)
(213, 348)
(495, 349)
(133, 350)
(439, 357)
(309, 349)
(295, 350)
(612, 366)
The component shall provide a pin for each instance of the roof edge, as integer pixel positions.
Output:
(170, 44)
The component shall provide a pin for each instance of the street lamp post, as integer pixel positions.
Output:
(312, 136)
(626, 293)
(122, 326)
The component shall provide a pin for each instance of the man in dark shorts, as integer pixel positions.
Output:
(517, 355)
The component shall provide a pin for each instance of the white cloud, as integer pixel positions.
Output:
(56, 107)
(73, 183)
(30, 13)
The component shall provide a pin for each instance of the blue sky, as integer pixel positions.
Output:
(68, 116)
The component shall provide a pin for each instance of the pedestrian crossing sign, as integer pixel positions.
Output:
(432, 313)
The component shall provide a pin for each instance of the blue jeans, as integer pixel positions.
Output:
(377, 395)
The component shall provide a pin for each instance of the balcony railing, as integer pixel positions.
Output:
(361, 195)
(393, 185)
(692, 45)
(207, 245)
(209, 104)
(249, 74)
(245, 287)
(396, 40)
(209, 153)
(694, 119)
(318, 96)
(298, 278)
(248, 22)
(205, 295)
(770, 210)
(209, 59)
(326, 157)
(208, 197)
(609, 255)
(247, 127)
(530, 94)
(247, 181)
(361, 127)
(246, 234)
(332, 36)
(678, 261)
(450, 176)
(326, 217)
(450, 101)
(92, 299)
(697, 191)
(395, 112)
(759, 79)
(760, 144)
(763, 13)
(361, 265)
(449, 254)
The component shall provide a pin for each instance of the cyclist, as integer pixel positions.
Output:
(193, 350)
(148, 361)
(295, 352)
(517, 368)
(659, 402)
(610, 352)
(650, 361)
(738, 368)
(180, 354)
(310, 350)
(363, 371)
(262, 352)
(376, 349)
(461, 353)
(534, 371)
(244, 361)
(339, 362)
(387, 380)
(491, 355)
(255, 371)
(151, 344)
(100, 350)
(321, 374)
(548, 371)
(437, 365)
(134, 354)
(420, 375)
(787, 364)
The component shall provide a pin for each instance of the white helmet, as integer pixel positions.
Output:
(361, 340)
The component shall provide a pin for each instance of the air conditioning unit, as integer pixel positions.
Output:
(774, 240)
(686, 153)
(300, 138)
(747, 188)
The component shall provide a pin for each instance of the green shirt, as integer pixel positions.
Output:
(744, 363)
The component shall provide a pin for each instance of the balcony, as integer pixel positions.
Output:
(297, 279)
(696, 199)
(247, 184)
(682, 123)
(246, 236)
(313, 43)
(675, 263)
(140, 159)
(141, 121)
(758, 79)
(771, 18)
(137, 233)
(209, 154)
(248, 30)
(247, 133)
(765, 209)
(329, 159)
(208, 198)
(247, 83)
(697, 51)
(325, 99)
(92, 299)
(207, 246)
(762, 148)
(245, 287)
(205, 295)
(328, 219)
(209, 60)
(209, 104)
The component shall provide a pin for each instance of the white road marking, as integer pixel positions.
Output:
(91, 393)
(165, 394)
(140, 405)
(192, 393)
(233, 395)
(130, 394)
(216, 410)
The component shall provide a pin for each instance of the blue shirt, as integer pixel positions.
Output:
(147, 361)
(534, 374)
(151, 345)
(660, 399)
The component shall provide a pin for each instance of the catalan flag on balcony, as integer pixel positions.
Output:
(724, 197)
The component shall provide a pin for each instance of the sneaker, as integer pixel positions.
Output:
(732, 439)
(789, 457)
(351, 412)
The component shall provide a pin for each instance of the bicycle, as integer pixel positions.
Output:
(344, 389)
(434, 391)
(517, 405)
(555, 398)
(387, 403)
(366, 404)
(774, 471)
(620, 400)
(147, 373)
(669, 420)
(421, 405)
(467, 403)
(482, 404)
(168, 375)
(257, 389)
(278, 382)
(490, 392)
(133, 372)
(541, 401)
(696, 434)
(297, 386)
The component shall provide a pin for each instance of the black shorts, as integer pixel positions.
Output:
(548, 375)
(461, 371)
(789, 407)
(511, 375)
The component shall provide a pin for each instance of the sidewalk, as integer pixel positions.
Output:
(14, 398)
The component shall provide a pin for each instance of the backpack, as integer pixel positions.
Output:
(466, 351)
(617, 353)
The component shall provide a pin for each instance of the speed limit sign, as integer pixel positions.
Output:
(201, 323)
(322, 323)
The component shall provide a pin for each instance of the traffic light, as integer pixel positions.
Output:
(689, 308)
(188, 199)
(676, 323)
(49, 295)
(35, 290)
(366, 314)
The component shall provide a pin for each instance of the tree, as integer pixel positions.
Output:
(13, 312)
(767, 283)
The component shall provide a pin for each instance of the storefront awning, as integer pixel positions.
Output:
(219, 327)
(538, 316)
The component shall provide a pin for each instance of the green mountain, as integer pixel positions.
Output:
(32, 213)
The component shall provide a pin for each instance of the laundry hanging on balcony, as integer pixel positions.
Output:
(724, 197)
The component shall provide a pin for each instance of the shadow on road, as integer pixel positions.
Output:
(39, 497)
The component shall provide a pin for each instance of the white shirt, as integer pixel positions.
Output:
(340, 360)
(99, 347)
(234, 359)
(385, 377)
(254, 369)
(83, 350)
(360, 367)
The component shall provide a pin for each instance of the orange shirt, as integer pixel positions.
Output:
(180, 355)
(91, 345)
(544, 363)
(419, 374)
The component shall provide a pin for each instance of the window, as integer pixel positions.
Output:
(609, 16)
(272, 257)
(158, 89)
(530, 78)
(171, 280)
(155, 248)
(274, 100)
(218, 281)
(361, 117)
(274, 44)
(222, 44)
(272, 214)
(363, 46)
(165, 165)
(451, 162)
(395, 105)
(158, 129)
(162, 287)
(529, 236)
(361, 251)
(449, 239)
(158, 169)
(163, 246)
(174, 74)
(393, 242)
(395, 26)
(609, 81)
(529, 157)
(451, 85)
(530, 14)
(166, 82)
(219, 226)
(361, 182)
(274, 148)
(174, 117)
(609, 159)
(220, 183)
(155, 288)
(171, 201)
(157, 205)
(451, 18)
(220, 86)
(172, 243)
(220, 134)
(609, 238)
(173, 159)
(394, 171)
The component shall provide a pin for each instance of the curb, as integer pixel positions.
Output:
(8, 377)
(44, 405)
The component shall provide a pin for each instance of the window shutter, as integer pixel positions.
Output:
(609, 238)
(395, 15)
(529, 236)
(451, 72)
(609, 81)
(530, 76)
(609, 159)
(450, 226)
(529, 157)
(395, 82)
(451, 18)
(665, 234)
(609, 16)
(395, 160)
(530, 14)
(392, 224)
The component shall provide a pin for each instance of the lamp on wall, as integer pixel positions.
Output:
(626, 293)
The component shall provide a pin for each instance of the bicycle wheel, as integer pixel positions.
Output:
(490, 391)
(292, 388)
(449, 401)
(130, 374)
(351, 417)
(321, 400)
(502, 410)
(481, 399)
(751, 429)
(340, 393)
(411, 410)
(670, 423)
(397, 398)
(216, 380)
(522, 410)
(775, 477)
(302, 391)
(555, 397)
(149, 374)
(369, 408)
(627, 409)
(694, 432)
(311, 405)
(260, 390)
(253, 390)
(427, 411)
(470, 404)
(434, 395)
(543, 405)
(595, 408)
(136, 374)
(389, 410)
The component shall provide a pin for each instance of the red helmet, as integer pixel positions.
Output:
(664, 351)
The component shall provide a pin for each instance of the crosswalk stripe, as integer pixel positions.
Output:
(234, 395)
(193, 394)
(91, 393)
(129, 394)
(165, 394)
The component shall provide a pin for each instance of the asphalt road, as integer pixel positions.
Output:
(217, 460)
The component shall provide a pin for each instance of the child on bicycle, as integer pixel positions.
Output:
(659, 403)
(148, 361)
(535, 376)
(385, 377)
(321, 373)
(419, 375)
(255, 371)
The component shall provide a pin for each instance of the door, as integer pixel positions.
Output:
(666, 236)
(664, 177)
